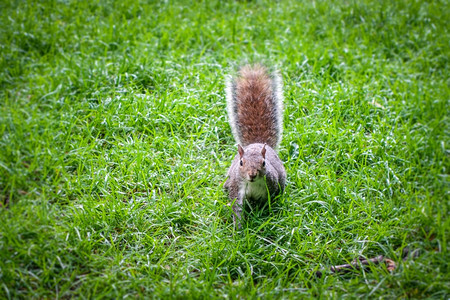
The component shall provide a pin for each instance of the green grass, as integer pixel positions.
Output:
(114, 145)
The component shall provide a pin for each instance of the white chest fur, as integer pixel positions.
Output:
(256, 189)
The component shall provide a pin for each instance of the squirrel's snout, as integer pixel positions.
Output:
(252, 176)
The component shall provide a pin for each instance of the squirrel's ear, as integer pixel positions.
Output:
(263, 151)
(240, 150)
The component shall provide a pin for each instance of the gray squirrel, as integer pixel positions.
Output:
(255, 110)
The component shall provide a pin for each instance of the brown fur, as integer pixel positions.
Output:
(255, 108)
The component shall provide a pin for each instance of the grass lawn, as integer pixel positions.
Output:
(114, 145)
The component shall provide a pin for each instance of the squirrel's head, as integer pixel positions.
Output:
(252, 164)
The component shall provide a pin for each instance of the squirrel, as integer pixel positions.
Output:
(255, 110)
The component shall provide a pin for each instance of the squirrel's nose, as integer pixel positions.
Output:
(252, 176)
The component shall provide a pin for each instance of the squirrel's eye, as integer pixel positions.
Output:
(264, 163)
(241, 162)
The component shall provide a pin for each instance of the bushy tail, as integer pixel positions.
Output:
(255, 106)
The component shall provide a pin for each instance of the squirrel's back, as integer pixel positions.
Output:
(255, 106)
